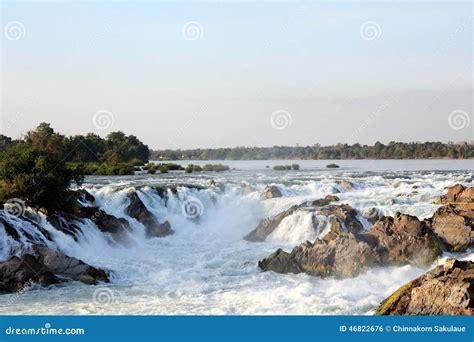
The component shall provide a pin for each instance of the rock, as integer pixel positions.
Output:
(341, 255)
(345, 184)
(270, 191)
(404, 239)
(371, 214)
(346, 217)
(105, 222)
(454, 227)
(69, 267)
(445, 290)
(163, 229)
(217, 186)
(19, 273)
(398, 240)
(458, 194)
(138, 211)
(65, 223)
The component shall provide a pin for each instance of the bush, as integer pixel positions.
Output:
(282, 167)
(215, 167)
(332, 166)
(295, 166)
(193, 168)
(38, 177)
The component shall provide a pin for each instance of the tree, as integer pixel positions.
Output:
(35, 175)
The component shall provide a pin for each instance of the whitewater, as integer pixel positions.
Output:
(206, 267)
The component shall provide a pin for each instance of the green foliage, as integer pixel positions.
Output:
(295, 166)
(332, 166)
(394, 150)
(38, 176)
(282, 167)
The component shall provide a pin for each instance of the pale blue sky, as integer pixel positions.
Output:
(251, 59)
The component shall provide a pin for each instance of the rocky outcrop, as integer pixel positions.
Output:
(19, 273)
(46, 267)
(270, 191)
(340, 255)
(446, 290)
(69, 267)
(458, 194)
(454, 227)
(345, 184)
(345, 217)
(398, 240)
(404, 239)
(138, 211)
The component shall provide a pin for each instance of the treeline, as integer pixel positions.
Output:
(394, 150)
(90, 148)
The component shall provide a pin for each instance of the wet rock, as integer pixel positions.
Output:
(138, 211)
(69, 267)
(398, 240)
(454, 227)
(445, 290)
(341, 255)
(404, 239)
(65, 223)
(346, 217)
(217, 186)
(19, 273)
(371, 214)
(345, 184)
(106, 222)
(270, 191)
(458, 194)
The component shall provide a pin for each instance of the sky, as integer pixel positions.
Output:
(239, 73)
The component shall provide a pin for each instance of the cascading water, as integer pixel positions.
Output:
(206, 267)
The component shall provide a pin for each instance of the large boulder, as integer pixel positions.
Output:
(138, 211)
(454, 227)
(403, 239)
(17, 273)
(398, 240)
(271, 191)
(341, 255)
(69, 267)
(446, 290)
(346, 217)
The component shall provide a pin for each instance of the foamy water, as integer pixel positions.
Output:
(206, 267)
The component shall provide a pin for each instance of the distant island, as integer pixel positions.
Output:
(394, 150)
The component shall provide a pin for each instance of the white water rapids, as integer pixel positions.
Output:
(206, 267)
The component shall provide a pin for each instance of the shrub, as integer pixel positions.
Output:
(332, 166)
(41, 178)
(295, 166)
